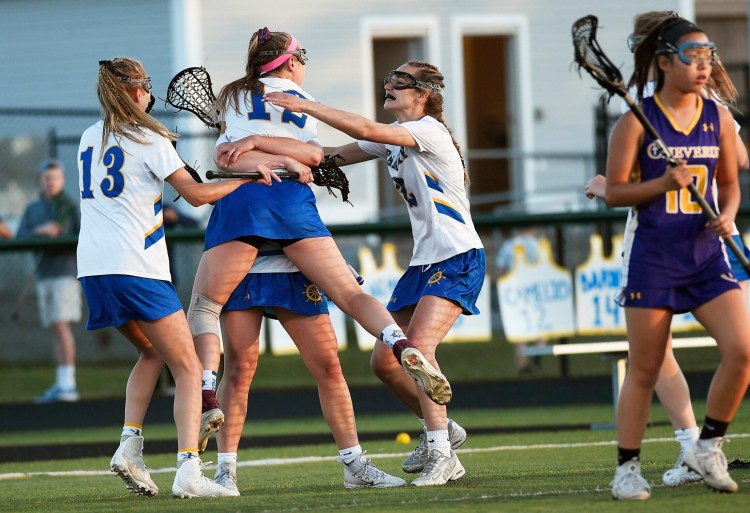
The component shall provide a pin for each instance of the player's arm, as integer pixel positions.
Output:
(622, 159)
(351, 124)
(727, 181)
(227, 154)
(198, 194)
(349, 154)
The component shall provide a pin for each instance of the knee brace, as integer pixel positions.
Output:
(203, 315)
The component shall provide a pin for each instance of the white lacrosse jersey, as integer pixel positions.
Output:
(122, 224)
(256, 117)
(430, 179)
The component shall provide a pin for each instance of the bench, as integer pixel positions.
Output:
(617, 352)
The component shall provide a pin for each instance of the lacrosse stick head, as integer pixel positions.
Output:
(590, 56)
(191, 90)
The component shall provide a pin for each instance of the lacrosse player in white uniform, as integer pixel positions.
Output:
(123, 266)
(447, 268)
(285, 214)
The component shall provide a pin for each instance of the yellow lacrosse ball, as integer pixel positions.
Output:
(403, 438)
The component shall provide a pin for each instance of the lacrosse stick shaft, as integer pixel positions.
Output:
(248, 174)
(696, 195)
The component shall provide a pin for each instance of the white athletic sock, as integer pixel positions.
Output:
(687, 437)
(227, 457)
(184, 455)
(350, 454)
(130, 429)
(392, 334)
(209, 380)
(66, 376)
(439, 440)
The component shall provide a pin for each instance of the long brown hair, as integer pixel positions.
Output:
(262, 40)
(121, 115)
(646, 30)
(430, 74)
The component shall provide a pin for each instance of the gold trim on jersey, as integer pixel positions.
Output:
(693, 123)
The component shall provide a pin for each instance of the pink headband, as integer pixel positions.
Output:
(278, 61)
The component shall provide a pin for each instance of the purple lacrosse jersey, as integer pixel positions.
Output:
(667, 243)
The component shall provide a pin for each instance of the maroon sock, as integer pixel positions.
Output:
(399, 347)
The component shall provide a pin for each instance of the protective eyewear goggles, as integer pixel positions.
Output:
(693, 52)
(300, 54)
(402, 80)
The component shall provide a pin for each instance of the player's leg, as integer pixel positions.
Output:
(171, 337)
(241, 352)
(433, 317)
(648, 333)
(220, 270)
(127, 461)
(674, 395)
(316, 340)
(726, 319)
(320, 260)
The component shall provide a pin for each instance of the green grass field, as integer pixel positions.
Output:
(548, 471)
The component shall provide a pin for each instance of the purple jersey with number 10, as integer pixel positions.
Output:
(667, 243)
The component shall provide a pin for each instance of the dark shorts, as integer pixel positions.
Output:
(115, 299)
(458, 279)
(679, 299)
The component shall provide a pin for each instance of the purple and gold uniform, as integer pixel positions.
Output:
(671, 258)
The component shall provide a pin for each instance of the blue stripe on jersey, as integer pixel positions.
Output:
(152, 237)
(158, 205)
(432, 182)
(448, 210)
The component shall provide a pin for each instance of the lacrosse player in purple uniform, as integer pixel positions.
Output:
(673, 257)
(257, 135)
(447, 268)
(123, 265)
(671, 387)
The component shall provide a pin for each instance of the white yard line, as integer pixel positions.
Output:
(268, 462)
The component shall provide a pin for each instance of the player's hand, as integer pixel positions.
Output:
(595, 187)
(723, 226)
(267, 175)
(677, 177)
(304, 172)
(286, 101)
(227, 153)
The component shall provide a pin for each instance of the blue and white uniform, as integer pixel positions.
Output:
(671, 258)
(274, 281)
(122, 254)
(285, 210)
(448, 258)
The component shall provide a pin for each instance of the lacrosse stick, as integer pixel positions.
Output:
(590, 56)
(191, 90)
(281, 173)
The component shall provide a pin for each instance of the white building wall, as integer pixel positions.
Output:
(51, 47)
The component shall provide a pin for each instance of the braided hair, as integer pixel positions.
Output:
(121, 115)
(430, 74)
(261, 40)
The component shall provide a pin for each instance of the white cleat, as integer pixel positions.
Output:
(361, 473)
(440, 469)
(128, 464)
(680, 474)
(226, 476)
(418, 458)
(190, 482)
(429, 379)
(707, 458)
(628, 484)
